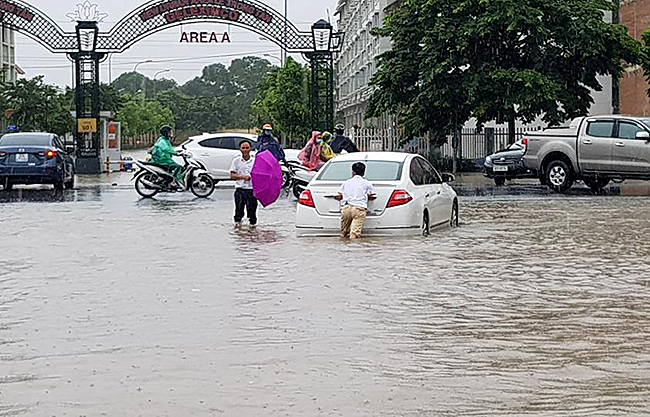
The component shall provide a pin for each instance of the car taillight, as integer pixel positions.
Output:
(306, 199)
(524, 142)
(50, 154)
(399, 198)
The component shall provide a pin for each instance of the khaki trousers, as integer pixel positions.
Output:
(352, 220)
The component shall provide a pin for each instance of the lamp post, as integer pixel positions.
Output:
(135, 69)
(322, 76)
(154, 80)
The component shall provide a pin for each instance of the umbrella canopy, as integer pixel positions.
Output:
(266, 176)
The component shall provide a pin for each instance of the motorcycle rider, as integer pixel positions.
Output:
(266, 142)
(341, 143)
(161, 155)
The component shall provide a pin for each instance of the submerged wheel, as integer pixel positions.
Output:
(596, 185)
(499, 181)
(453, 221)
(202, 186)
(143, 189)
(426, 227)
(558, 176)
(297, 190)
(69, 185)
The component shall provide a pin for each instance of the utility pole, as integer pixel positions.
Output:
(616, 81)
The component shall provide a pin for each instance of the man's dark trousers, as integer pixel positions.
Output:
(245, 198)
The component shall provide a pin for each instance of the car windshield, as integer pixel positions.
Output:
(515, 146)
(646, 122)
(375, 171)
(25, 140)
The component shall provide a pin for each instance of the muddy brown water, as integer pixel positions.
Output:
(111, 305)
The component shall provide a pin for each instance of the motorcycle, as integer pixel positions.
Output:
(299, 177)
(152, 179)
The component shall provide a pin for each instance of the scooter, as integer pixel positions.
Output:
(152, 179)
(299, 177)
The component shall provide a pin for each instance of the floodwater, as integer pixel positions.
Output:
(111, 305)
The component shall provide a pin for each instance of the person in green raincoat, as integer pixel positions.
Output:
(162, 152)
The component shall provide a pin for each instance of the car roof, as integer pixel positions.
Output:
(29, 134)
(223, 135)
(374, 156)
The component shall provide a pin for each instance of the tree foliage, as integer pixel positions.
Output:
(138, 115)
(495, 60)
(36, 106)
(283, 100)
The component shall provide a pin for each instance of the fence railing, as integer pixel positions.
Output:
(144, 140)
(472, 144)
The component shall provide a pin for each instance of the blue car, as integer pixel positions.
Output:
(35, 158)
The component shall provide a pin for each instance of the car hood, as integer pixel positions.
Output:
(508, 155)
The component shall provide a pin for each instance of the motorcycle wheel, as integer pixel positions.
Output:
(142, 189)
(297, 190)
(202, 186)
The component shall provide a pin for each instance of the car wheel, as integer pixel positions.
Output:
(559, 176)
(58, 186)
(453, 221)
(596, 185)
(499, 181)
(297, 190)
(426, 228)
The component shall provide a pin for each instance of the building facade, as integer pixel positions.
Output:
(635, 14)
(8, 55)
(356, 63)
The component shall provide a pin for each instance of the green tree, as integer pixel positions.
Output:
(502, 60)
(283, 100)
(206, 114)
(134, 83)
(139, 116)
(37, 106)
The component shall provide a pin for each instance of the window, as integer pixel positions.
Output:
(417, 172)
(25, 140)
(219, 143)
(628, 130)
(375, 171)
(431, 176)
(238, 142)
(601, 129)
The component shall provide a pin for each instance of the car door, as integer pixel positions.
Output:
(631, 155)
(596, 144)
(435, 199)
(217, 155)
(65, 158)
(421, 191)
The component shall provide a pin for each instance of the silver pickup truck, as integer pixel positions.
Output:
(595, 150)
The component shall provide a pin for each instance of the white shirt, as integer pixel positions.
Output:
(355, 192)
(241, 167)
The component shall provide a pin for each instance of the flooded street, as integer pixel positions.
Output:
(112, 305)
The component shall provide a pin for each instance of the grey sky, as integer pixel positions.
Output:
(36, 60)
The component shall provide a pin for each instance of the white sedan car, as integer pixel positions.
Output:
(412, 197)
(217, 151)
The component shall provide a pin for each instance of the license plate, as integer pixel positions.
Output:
(500, 168)
(22, 157)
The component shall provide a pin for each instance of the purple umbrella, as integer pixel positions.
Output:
(266, 176)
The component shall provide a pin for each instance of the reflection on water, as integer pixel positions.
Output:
(537, 305)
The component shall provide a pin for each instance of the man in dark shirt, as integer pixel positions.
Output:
(341, 143)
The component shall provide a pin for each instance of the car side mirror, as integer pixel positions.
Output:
(643, 135)
(448, 178)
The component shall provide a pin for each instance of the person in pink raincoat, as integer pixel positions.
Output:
(310, 154)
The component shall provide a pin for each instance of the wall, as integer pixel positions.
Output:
(635, 14)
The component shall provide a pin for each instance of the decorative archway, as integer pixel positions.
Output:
(88, 47)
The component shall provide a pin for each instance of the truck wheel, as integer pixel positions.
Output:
(558, 176)
(499, 181)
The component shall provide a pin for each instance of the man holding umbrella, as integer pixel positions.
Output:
(240, 171)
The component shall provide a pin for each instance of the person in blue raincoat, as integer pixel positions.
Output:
(162, 152)
(266, 142)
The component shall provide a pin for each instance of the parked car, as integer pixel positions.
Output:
(35, 158)
(215, 152)
(595, 150)
(412, 197)
(507, 164)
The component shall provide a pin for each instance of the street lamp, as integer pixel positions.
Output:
(87, 36)
(154, 80)
(322, 34)
(135, 69)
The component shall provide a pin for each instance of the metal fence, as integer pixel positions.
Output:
(472, 144)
